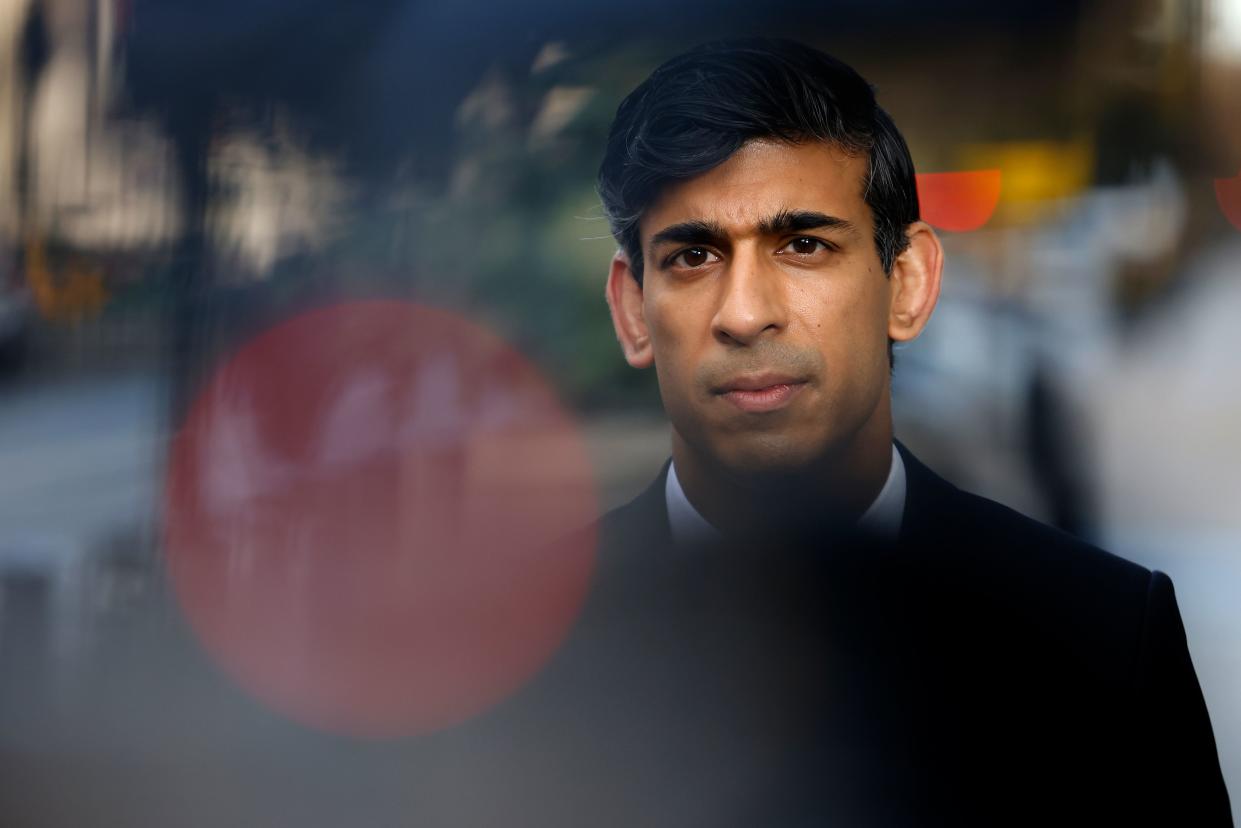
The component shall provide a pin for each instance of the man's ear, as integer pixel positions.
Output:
(915, 283)
(624, 296)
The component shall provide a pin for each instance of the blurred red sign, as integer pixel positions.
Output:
(958, 201)
(1228, 194)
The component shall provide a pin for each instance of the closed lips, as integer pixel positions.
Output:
(758, 382)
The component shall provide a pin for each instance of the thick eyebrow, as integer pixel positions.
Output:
(796, 221)
(696, 231)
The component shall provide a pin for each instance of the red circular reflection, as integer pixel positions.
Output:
(958, 201)
(368, 509)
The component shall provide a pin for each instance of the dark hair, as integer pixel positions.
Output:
(697, 109)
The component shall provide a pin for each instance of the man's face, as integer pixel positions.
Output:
(767, 307)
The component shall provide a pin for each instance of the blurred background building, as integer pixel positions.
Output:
(177, 178)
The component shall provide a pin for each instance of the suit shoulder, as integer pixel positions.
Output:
(999, 523)
(1040, 560)
(937, 513)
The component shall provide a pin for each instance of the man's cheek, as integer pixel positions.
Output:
(675, 388)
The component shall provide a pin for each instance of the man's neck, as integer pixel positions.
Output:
(836, 490)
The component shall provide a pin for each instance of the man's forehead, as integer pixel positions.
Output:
(764, 179)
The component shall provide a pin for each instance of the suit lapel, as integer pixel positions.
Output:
(641, 524)
(927, 497)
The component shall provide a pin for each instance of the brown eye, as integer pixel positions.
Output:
(694, 257)
(805, 246)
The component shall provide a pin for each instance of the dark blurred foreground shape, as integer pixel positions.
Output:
(982, 670)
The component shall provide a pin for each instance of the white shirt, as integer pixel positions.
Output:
(881, 518)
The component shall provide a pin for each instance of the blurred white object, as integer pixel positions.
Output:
(275, 199)
(1222, 30)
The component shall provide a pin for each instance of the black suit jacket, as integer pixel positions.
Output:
(985, 669)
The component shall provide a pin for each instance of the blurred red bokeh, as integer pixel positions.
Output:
(370, 518)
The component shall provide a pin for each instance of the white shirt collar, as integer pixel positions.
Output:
(882, 517)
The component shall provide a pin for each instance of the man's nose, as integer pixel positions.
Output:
(751, 304)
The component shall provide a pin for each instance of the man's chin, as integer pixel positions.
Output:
(765, 461)
(761, 458)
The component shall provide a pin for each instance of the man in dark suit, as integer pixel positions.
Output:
(798, 622)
